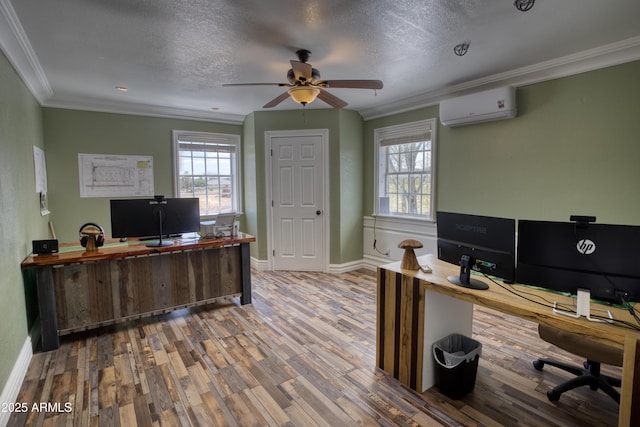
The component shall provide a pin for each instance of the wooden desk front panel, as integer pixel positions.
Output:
(400, 330)
(93, 294)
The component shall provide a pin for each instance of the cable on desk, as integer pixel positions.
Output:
(548, 304)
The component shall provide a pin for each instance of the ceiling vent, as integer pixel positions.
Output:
(494, 104)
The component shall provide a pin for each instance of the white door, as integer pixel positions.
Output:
(297, 190)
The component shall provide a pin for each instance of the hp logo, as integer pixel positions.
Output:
(586, 247)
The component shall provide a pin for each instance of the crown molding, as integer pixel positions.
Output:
(16, 47)
(145, 110)
(620, 52)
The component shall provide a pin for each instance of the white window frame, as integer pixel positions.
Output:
(403, 132)
(210, 138)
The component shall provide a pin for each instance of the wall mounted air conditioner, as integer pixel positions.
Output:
(494, 104)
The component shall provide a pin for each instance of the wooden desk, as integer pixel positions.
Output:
(415, 309)
(79, 290)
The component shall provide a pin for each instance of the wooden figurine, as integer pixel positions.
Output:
(409, 260)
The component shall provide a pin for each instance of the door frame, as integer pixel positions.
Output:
(326, 220)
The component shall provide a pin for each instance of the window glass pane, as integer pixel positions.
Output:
(404, 161)
(186, 186)
(199, 187)
(392, 184)
(198, 163)
(393, 203)
(393, 163)
(225, 164)
(403, 184)
(212, 164)
(418, 161)
(185, 164)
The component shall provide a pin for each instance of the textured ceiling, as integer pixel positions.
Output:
(174, 55)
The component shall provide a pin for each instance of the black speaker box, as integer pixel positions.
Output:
(45, 247)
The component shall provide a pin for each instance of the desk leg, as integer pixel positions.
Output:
(629, 414)
(246, 274)
(47, 309)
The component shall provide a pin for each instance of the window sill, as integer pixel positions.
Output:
(402, 219)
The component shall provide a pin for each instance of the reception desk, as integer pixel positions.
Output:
(79, 290)
(415, 309)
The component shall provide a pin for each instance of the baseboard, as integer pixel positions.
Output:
(368, 263)
(346, 267)
(372, 262)
(14, 382)
(260, 265)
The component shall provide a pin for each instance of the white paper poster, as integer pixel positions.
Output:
(107, 175)
(40, 169)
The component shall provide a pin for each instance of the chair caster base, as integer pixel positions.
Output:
(553, 396)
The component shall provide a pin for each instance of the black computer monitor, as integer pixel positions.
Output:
(481, 243)
(158, 217)
(603, 259)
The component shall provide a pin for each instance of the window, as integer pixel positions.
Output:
(207, 167)
(405, 169)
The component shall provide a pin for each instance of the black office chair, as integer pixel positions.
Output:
(595, 353)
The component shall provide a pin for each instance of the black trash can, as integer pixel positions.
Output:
(456, 359)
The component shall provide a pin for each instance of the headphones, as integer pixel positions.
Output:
(99, 238)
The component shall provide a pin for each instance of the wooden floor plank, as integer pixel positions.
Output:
(302, 354)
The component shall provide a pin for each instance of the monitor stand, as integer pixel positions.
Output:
(583, 308)
(465, 280)
(160, 242)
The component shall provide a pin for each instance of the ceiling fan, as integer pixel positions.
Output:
(305, 84)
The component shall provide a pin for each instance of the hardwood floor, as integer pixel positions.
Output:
(303, 354)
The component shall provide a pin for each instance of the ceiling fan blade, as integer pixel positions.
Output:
(352, 84)
(332, 100)
(277, 100)
(256, 84)
(301, 70)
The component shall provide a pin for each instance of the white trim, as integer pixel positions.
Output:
(326, 218)
(14, 382)
(15, 43)
(146, 110)
(346, 267)
(259, 264)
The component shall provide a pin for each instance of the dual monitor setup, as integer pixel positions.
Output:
(578, 257)
(157, 220)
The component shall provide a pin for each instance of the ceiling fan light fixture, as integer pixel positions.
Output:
(303, 94)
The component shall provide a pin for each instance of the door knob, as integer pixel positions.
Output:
(318, 212)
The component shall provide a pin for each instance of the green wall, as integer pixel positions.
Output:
(249, 182)
(69, 132)
(573, 149)
(345, 164)
(350, 190)
(20, 220)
